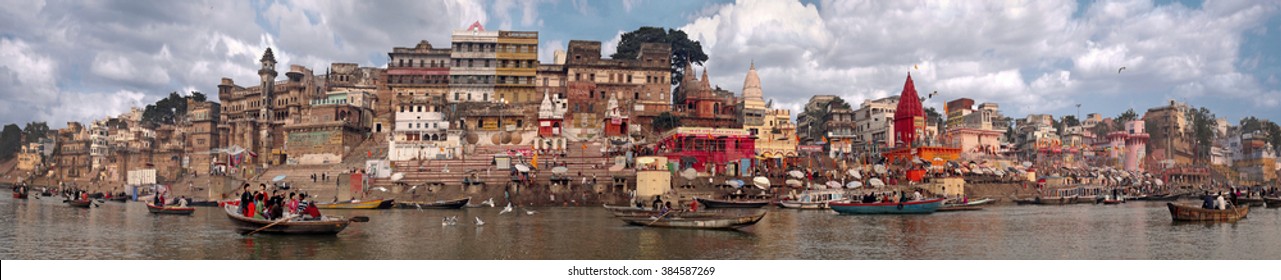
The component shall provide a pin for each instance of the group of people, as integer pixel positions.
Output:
(895, 196)
(261, 205)
(1216, 201)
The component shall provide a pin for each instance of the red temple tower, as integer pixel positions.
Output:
(909, 118)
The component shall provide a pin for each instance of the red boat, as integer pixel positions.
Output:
(19, 195)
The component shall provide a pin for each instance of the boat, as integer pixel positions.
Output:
(1162, 197)
(19, 195)
(1272, 202)
(169, 210)
(910, 207)
(1182, 212)
(702, 219)
(1250, 202)
(355, 204)
(970, 206)
(204, 203)
(816, 199)
(439, 204)
(118, 198)
(710, 203)
(80, 203)
(324, 226)
(1057, 200)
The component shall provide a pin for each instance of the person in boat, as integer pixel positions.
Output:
(1234, 197)
(311, 212)
(1222, 203)
(693, 205)
(916, 195)
(292, 205)
(666, 207)
(658, 202)
(182, 201)
(1207, 201)
(245, 198)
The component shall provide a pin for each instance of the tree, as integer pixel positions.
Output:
(933, 116)
(1203, 132)
(1128, 116)
(10, 141)
(1070, 121)
(666, 121)
(684, 50)
(197, 96)
(34, 131)
(168, 110)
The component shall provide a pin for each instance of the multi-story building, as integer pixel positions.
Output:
(1168, 125)
(330, 127)
(474, 56)
(253, 118)
(641, 86)
(976, 132)
(72, 158)
(874, 125)
(773, 128)
(1257, 162)
(422, 132)
(517, 59)
(842, 127)
(416, 76)
(99, 148)
(202, 135)
(706, 106)
(808, 123)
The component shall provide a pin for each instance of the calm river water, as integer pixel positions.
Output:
(48, 229)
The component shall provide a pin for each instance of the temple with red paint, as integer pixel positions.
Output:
(909, 131)
(705, 148)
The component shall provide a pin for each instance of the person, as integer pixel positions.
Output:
(250, 210)
(292, 206)
(159, 200)
(693, 205)
(658, 202)
(311, 211)
(1234, 197)
(664, 208)
(1222, 203)
(916, 195)
(302, 204)
(245, 198)
(1208, 201)
(182, 201)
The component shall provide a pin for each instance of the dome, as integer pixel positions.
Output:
(752, 85)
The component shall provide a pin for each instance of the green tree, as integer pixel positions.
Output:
(1129, 115)
(10, 141)
(34, 131)
(684, 50)
(1070, 121)
(169, 109)
(665, 121)
(1203, 132)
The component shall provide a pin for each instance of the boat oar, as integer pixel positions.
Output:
(660, 217)
(290, 217)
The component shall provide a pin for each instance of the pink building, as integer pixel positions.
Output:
(1135, 144)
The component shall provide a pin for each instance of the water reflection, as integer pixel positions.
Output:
(48, 229)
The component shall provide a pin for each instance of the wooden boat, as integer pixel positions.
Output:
(19, 195)
(1112, 201)
(439, 204)
(203, 203)
(971, 206)
(1059, 200)
(1161, 197)
(1250, 202)
(169, 210)
(372, 204)
(911, 207)
(1272, 202)
(80, 203)
(719, 203)
(119, 198)
(1181, 212)
(703, 219)
(324, 226)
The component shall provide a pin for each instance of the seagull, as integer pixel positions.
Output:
(1118, 71)
(479, 222)
(444, 222)
(420, 207)
(381, 189)
(530, 212)
(506, 209)
(932, 94)
(489, 202)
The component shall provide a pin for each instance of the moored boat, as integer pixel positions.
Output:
(80, 203)
(1059, 200)
(439, 204)
(1181, 212)
(324, 226)
(169, 210)
(355, 204)
(118, 198)
(710, 203)
(203, 203)
(703, 219)
(1272, 202)
(1251, 202)
(969, 206)
(816, 199)
(926, 206)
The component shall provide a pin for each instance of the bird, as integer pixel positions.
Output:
(932, 94)
(479, 222)
(489, 202)
(444, 222)
(420, 207)
(506, 209)
(1118, 71)
(381, 189)
(530, 212)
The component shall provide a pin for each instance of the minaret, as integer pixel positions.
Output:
(752, 85)
(268, 75)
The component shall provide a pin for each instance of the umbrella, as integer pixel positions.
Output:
(833, 184)
(522, 168)
(278, 178)
(1158, 182)
(735, 183)
(876, 182)
(761, 182)
(560, 170)
(397, 177)
(796, 173)
(793, 182)
(880, 169)
(854, 184)
(689, 174)
(1027, 164)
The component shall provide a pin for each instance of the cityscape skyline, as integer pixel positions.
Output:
(67, 62)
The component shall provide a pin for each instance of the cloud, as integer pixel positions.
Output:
(1033, 57)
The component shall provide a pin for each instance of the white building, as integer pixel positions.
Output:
(421, 132)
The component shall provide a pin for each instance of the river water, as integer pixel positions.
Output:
(48, 229)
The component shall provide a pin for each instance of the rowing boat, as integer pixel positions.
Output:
(1273, 202)
(1181, 212)
(971, 206)
(324, 226)
(704, 219)
(720, 203)
(1251, 202)
(80, 203)
(170, 210)
(354, 204)
(439, 204)
(19, 195)
(816, 199)
(1059, 200)
(910, 207)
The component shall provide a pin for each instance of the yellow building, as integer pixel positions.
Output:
(775, 133)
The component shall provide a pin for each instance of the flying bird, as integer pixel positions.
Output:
(1118, 71)
(489, 202)
(479, 222)
(381, 189)
(506, 209)
(932, 94)
(530, 212)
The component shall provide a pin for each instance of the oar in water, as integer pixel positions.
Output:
(287, 218)
(660, 217)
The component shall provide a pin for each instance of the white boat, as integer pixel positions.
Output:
(813, 199)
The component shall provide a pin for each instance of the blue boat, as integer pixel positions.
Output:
(911, 207)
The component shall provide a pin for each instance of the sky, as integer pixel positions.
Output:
(66, 61)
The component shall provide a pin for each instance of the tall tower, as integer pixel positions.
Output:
(909, 118)
(268, 75)
(1135, 144)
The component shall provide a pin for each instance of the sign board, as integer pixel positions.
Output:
(141, 177)
(701, 131)
(809, 148)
